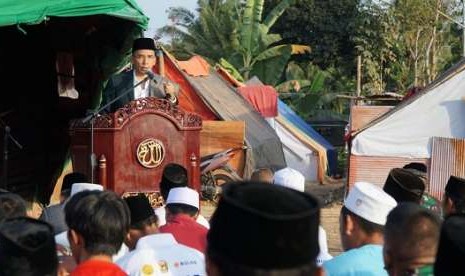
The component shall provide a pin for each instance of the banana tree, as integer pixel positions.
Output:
(258, 51)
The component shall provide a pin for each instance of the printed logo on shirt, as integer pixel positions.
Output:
(163, 266)
(147, 269)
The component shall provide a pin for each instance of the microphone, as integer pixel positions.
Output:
(152, 76)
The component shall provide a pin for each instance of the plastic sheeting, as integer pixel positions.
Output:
(407, 130)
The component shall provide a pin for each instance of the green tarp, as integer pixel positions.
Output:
(17, 12)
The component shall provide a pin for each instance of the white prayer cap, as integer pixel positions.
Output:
(79, 187)
(183, 195)
(369, 202)
(289, 178)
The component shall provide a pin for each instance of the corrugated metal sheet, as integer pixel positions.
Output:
(361, 115)
(375, 169)
(447, 158)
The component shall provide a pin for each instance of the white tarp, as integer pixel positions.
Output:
(298, 156)
(408, 132)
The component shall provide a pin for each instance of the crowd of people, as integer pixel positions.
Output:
(267, 225)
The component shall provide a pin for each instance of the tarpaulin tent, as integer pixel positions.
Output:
(405, 133)
(96, 35)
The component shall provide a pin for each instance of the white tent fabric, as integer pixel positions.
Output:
(407, 132)
(298, 156)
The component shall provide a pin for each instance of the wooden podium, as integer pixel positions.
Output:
(134, 144)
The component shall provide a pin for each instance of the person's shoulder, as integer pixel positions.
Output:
(365, 258)
(93, 267)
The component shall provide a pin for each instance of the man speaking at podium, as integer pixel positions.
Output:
(143, 60)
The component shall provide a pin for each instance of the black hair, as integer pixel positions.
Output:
(413, 228)
(367, 226)
(70, 179)
(101, 218)
(11, 205)
(145, 223)
(179, 208)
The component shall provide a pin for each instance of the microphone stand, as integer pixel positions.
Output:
(91, 117)
(6, 138)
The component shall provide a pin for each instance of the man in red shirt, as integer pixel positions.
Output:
(182, 209)
(98, 222)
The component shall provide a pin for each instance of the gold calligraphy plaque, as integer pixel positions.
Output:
(150, 153)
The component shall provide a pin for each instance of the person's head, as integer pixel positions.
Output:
(69, 180)
(11, 205)
(404, 185)
(143, 55)
(289, 178)
(182, 201)
(363, 215)
(270, 230)
(454, 196)
(451, 249)
(27, 247)
(411, 237)
(262, 175)
(143, 219)
(173, 176)
(98, 221)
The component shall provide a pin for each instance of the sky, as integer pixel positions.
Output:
(156, 11)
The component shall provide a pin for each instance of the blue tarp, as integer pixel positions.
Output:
(299, 123)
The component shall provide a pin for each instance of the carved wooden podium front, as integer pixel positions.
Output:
(134, 144)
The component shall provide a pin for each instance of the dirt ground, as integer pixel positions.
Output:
(329, 221)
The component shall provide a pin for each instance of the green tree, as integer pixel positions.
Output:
(244, 40)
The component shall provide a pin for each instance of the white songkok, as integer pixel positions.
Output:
(369, 202)
(79, 187)
(289, 178)
(183, 195)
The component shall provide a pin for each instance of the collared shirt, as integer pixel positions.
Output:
(160, 254)
(363, 261)
(97, 268)
(187, 231)
(161, 214)
(142, 90)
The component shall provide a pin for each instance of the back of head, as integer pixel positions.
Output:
(269, 228)
(290, 178)
(27, 247)
(451, 249)
(11, 205)
(262, 175)
(183, 200)
(404, 186)
(70, 179)
(455, 190)
(174, 175)
(101, 218)
(141, 211)
(412, 232)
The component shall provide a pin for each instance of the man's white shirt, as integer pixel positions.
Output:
(160, 254)
(142, 90)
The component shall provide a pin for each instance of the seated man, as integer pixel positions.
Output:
(454, 196)
(263, 230)
(98, 222)
(411, 237)
(158, 254)
(174, 176)
(143, 219)
(182, 209)
(451, 249)
(143, 60)
(362, 222)
(27, 247)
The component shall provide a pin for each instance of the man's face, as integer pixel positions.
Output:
(143, 61)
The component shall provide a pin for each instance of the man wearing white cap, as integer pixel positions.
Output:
(160, 254)
(293, 179)
(362, 221)
(182, 209)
